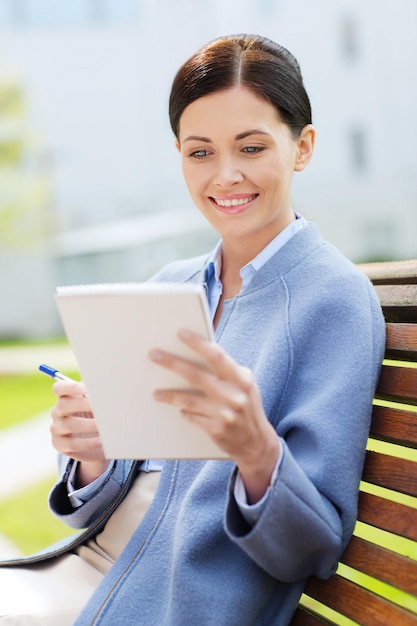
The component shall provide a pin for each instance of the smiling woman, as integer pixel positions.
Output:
(281, 390)
(239, 175)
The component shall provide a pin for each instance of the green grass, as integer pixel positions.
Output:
(16, 343)
(25, 395)
(22, 396)
(26, 520)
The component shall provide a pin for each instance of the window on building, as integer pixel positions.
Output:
(350, 38)
(358, 150)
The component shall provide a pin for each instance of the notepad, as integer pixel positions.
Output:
(111, 329)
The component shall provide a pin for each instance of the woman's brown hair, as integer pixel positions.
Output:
(261, 65)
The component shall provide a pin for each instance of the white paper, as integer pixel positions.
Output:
(112, 329)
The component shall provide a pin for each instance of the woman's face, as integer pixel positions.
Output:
(238, 160)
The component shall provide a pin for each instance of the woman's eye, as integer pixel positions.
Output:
(252, 149)
(199, 154)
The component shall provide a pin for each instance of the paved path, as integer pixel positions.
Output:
(28, 359)
(29, 441)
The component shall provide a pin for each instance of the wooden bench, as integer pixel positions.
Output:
(388, 496)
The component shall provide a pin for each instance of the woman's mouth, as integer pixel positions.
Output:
(234, 204)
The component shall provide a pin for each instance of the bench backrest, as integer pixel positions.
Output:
(380, 562)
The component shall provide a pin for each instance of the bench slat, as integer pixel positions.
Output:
(393, 569)
(398, 302)
(401, 342)
(398, 384)
(302, 617)
(391, 271)
(390, 516)
(391, 472)
(394, 425)
(357, 603)
(397, 295)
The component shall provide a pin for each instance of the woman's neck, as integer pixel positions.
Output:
(234, 257)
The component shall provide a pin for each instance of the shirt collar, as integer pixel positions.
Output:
(214, 265)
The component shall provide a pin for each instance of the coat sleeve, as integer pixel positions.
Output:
(323, 421)
(92, 509)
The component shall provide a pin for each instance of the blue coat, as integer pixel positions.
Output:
(310, 327)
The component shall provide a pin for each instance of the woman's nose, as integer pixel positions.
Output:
(227, 173)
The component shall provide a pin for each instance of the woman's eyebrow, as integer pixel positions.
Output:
(247, 133)
(197, 138)
(243, 135)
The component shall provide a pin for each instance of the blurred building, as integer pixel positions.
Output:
(98, 192)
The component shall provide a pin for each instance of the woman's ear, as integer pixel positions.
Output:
(177, 145)
(305, 147)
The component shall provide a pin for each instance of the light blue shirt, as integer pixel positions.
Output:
(213, 271)
(214, 289)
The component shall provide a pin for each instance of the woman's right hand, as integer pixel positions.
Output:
(74, 431)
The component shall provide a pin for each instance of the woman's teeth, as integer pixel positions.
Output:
(234, 202)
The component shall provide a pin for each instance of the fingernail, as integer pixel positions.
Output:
(79, 390)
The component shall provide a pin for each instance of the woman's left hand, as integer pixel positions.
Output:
(226, 403)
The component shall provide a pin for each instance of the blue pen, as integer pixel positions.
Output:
(56, 375)
(53, 373)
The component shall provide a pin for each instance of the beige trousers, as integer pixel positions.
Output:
(53, 593)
